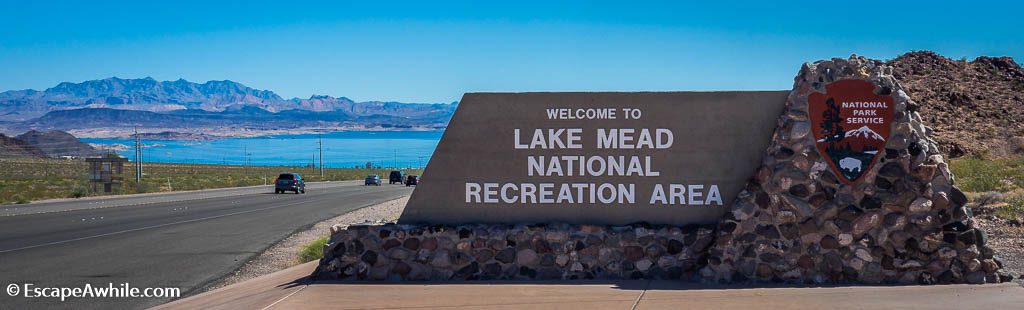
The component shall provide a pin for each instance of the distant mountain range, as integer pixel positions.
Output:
(111, 106)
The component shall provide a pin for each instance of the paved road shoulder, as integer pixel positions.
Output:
(291, 289)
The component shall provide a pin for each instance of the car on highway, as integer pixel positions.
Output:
(289, 182)
(397, 176)
(373, 179)
(411, 180)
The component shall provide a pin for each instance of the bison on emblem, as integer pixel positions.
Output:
(850, 164)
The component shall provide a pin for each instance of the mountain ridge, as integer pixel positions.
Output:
(148, 94)
(49, 144)
(57, 143)
(14, 147)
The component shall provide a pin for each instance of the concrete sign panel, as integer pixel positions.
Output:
(595, 158)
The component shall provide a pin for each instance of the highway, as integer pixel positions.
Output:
(179, 240)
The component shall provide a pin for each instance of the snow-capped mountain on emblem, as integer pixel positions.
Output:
(864, 132)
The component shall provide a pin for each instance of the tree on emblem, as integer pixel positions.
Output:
(831, 127)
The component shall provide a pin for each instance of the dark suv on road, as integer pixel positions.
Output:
(289, 182)
(396, 176)
(412, 180)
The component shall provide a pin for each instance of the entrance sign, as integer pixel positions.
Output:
(595, 158)
(851, 125)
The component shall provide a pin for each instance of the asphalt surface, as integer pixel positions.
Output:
(178, 240)
(57, 205)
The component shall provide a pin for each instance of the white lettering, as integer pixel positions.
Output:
(562, 138)
(573, 114)
(574, 165)
(658, 196)
(714, 196)
(550, 193)
(623, 138)
(606, 188)
(676, 194)
(666, 142)
(546, 192)
(472, 193)
(535, 164)
(519, 146)
(505, 189)
(695, 192)
(490, 191)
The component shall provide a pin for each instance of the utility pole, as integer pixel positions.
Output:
(138, 157)
(321, 143)
(396, 158)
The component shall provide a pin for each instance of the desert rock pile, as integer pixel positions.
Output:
(904, 222)
(975, 107)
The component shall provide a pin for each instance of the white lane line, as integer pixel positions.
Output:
(155, 200)
(641, 297)
(150, 227)
(286, 297)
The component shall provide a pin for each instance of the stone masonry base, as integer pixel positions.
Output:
(515, 252)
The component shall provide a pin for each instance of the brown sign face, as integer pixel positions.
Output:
(851, 125)
(595, 158)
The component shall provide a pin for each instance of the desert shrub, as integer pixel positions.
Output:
(1014, 208)
(19, 199)
(989, 198)
(313, 251)
(978, 174)
(79, 192)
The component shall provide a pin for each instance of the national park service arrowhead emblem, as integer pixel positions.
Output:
(851, 124)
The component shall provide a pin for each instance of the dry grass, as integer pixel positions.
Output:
(1014, 208)
(978, 174)
(995, 182)
(313, 251)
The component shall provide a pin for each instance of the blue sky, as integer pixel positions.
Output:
(435, 51)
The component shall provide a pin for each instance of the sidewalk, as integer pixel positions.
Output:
(288, 289)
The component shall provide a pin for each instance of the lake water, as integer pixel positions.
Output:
(409, 149)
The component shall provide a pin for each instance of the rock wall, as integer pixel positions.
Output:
(510, 252)
(904, 221)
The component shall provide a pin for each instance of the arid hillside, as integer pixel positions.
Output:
(13, 147)
(975, 107)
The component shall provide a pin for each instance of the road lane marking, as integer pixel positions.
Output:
(283, 298)
(151, 227)
(202, 195)
(311, 200)
(641, 297)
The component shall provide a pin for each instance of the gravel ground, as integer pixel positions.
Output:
(1006, 237)
(285, 253)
